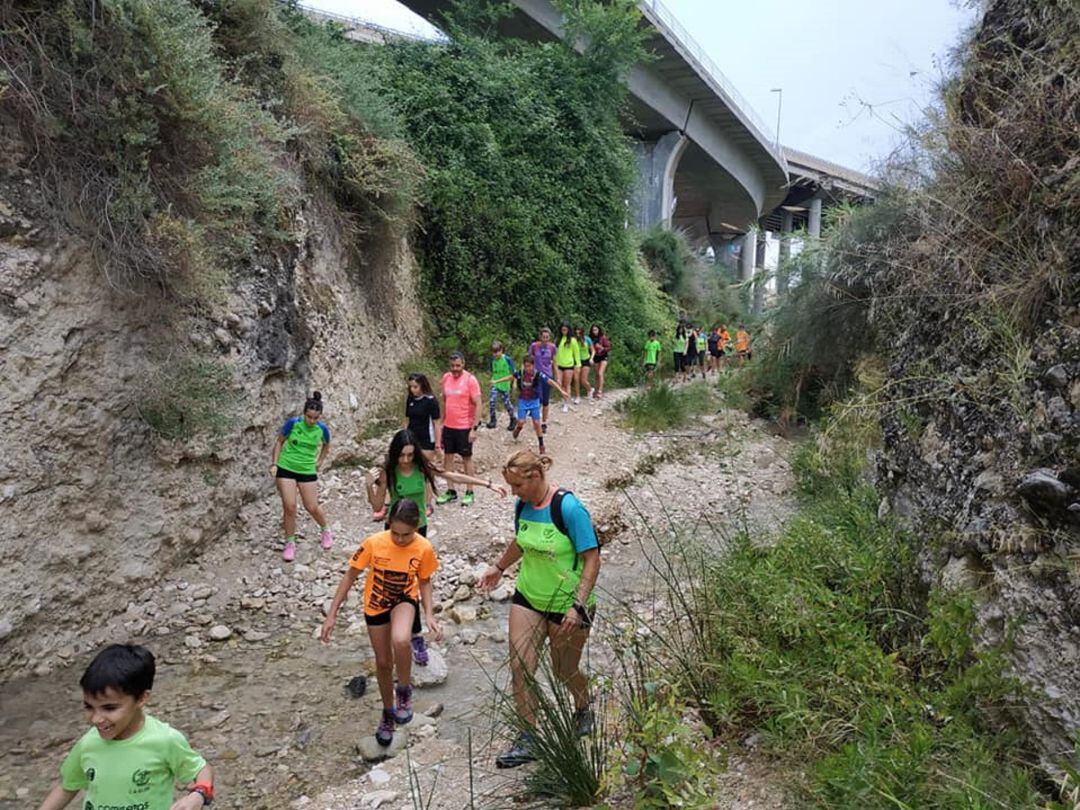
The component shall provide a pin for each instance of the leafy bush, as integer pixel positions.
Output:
(192, 398)
(704, 292)
(528, 173)
(829, 645)
(662, 407)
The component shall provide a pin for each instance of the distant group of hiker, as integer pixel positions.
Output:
(129, 759)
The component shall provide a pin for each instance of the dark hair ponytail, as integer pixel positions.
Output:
(314, 402)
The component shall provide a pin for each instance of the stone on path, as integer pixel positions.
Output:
(434, 673)
(379, 798)
(220, 632)
(371, 751)
(500, 594)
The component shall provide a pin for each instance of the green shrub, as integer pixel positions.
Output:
(191, 398)
(827, 643)
(663, 407)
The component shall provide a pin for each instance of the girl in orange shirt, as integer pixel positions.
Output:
(399, 563)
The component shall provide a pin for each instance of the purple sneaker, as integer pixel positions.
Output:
(289, 554)
(384, 734)
(419, 651)
(403, 712)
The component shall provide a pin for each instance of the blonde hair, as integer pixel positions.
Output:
(526, 462)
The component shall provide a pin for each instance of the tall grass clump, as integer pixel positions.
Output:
(663, 407)
(827, 643)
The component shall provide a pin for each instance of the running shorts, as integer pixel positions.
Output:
(555, 618)
(528, 409)
(300, 478)
(456, 442)
(384, 617)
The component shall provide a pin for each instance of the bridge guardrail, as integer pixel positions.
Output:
(683, 38)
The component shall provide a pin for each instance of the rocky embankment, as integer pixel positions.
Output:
(240, 669)
(96, 503)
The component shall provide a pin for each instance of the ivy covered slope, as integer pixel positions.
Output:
(528, 174)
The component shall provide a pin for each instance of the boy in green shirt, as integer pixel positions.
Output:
(502, 368)
(128, 760)
(652, 357)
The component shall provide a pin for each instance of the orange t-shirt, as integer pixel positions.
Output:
(394, 572)
(742, 341)
(725, 339)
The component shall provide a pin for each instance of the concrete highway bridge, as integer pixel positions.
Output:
(706, 164)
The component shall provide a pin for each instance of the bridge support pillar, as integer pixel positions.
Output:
(786, 224)
(814, 223)
(657, 162)
(759, 271)
(748, 256)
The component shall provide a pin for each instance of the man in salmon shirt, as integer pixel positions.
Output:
(461, 404)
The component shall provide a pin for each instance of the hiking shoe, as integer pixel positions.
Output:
(468, 498)
(577, 400)
(380, 515)
(565, 408)
(446, 497)
(384, 734)
(491, 424)
(513, 424)
(517, 754)
(289, 552)
(543, 452)
(584, 722)
(430, 510)
(419, 651)
(403, 711)
(543, 427)
(326, 539)
(517, 429)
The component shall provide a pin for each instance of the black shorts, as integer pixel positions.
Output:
(567, 368)
(300, 478)
(716, 353)
(586, 363)
(455, 442)
(384, 617)
(600, 358)
(423, 440)
(650, 366)
(680, 361)
(555, 618)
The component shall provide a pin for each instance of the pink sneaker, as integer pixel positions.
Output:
(326, 539)
(289, 554)
(380, 515)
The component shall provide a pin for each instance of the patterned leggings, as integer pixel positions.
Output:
(494, 395)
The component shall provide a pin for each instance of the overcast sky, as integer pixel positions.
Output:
(853, 72)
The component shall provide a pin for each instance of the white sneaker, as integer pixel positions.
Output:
(565, 408)
(577, 400)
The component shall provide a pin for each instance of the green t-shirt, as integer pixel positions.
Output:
(567, 354)
(500, 367)
(302, 445)
(411, 486)
(550, 569)
(138, 773)
(652, 350)
(680, 344)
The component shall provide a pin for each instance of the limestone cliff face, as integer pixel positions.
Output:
(982, 432)
(95, 503)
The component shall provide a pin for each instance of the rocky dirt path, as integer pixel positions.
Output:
(240, 670)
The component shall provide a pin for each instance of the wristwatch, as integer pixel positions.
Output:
(582, 612)
(206, 790)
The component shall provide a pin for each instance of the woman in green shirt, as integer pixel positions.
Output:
(407, 473)
(567, 360)
(301, 446)
(681, 340)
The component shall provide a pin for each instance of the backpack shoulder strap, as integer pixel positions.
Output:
(556, 510)
(517, 515)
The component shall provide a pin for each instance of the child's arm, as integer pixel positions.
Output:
(377, 491)
(556, 386)
(339, 597)
(503, 379)
(58, 798)
(194, 801)
(427, 599)
(461, 478)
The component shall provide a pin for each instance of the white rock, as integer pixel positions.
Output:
(220, 632)
(460, 614)
(378, 776)
(434, 673)
(500, 594)
(371, 751)
(378, 798)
